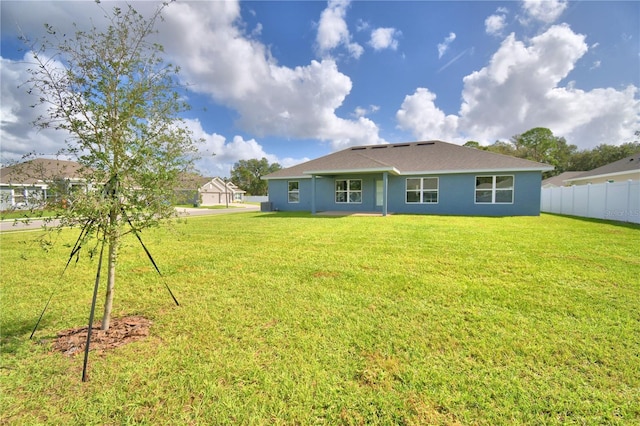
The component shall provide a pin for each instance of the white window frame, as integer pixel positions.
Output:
(494, 190)
(291, 192)
(348, 191)
(422, 190)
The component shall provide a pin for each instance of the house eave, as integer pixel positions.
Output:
(331, 172)
(467, 171)
(286, 177)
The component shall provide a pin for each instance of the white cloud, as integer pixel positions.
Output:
(420, 115)
(333, 31)
(231, 67)
(547, 11)
(243, 70)
(361, 112)
(494, 24)
(290, 162)
(257, 30)
(511, 92)
(217, 155)
(362, 25)
(271, 99)
(17, 132)
(226, 66)
(384, 38)
(18, 19)
(18, 135)
(520, 89)
(444, 46)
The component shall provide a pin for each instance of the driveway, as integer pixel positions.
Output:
(11, 225)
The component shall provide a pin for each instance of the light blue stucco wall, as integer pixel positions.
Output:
(456, 195)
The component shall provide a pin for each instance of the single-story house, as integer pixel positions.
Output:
(187, 186)
(559, 180)
(430, 177)
(618, 171)
(30, 183)
(217, 191)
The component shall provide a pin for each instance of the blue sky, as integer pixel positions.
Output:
(294, 80)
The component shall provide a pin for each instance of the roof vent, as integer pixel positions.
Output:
(425, 143)
(378, 146)
(401, 145)
(358, 148)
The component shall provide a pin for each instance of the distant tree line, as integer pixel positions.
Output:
(539, 144)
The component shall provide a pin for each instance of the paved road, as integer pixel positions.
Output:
(11, 225)
(233, 208)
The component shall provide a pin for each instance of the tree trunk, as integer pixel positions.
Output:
(114, 240)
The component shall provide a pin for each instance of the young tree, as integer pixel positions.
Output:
(247, 175)
(117, 99)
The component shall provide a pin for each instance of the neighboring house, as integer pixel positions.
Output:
(431, 177)
(618, 171)
(559, 180)
(32, 182)
(216, 191)
(187, 186)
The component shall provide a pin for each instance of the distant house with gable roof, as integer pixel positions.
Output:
(560, 180)
(217, 191)
(35, 181)
(618, 171)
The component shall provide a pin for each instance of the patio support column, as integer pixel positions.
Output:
(385, 184)
(313, 194)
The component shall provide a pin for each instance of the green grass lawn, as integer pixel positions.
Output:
(216, 207)
(25, 214)
(299, 319)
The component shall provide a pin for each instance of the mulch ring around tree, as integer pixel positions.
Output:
(121, 332)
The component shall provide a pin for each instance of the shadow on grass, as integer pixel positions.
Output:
(628, 225)
(17, 333)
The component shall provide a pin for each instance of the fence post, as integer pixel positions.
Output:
(606, 199)
(627, 210)
(588, 198)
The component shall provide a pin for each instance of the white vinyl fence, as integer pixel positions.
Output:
(256, 198)
(612, 201)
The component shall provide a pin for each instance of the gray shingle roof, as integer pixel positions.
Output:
(560, 179)
(629, 164)
(40, 170)
(427, 157)
(191, 181)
